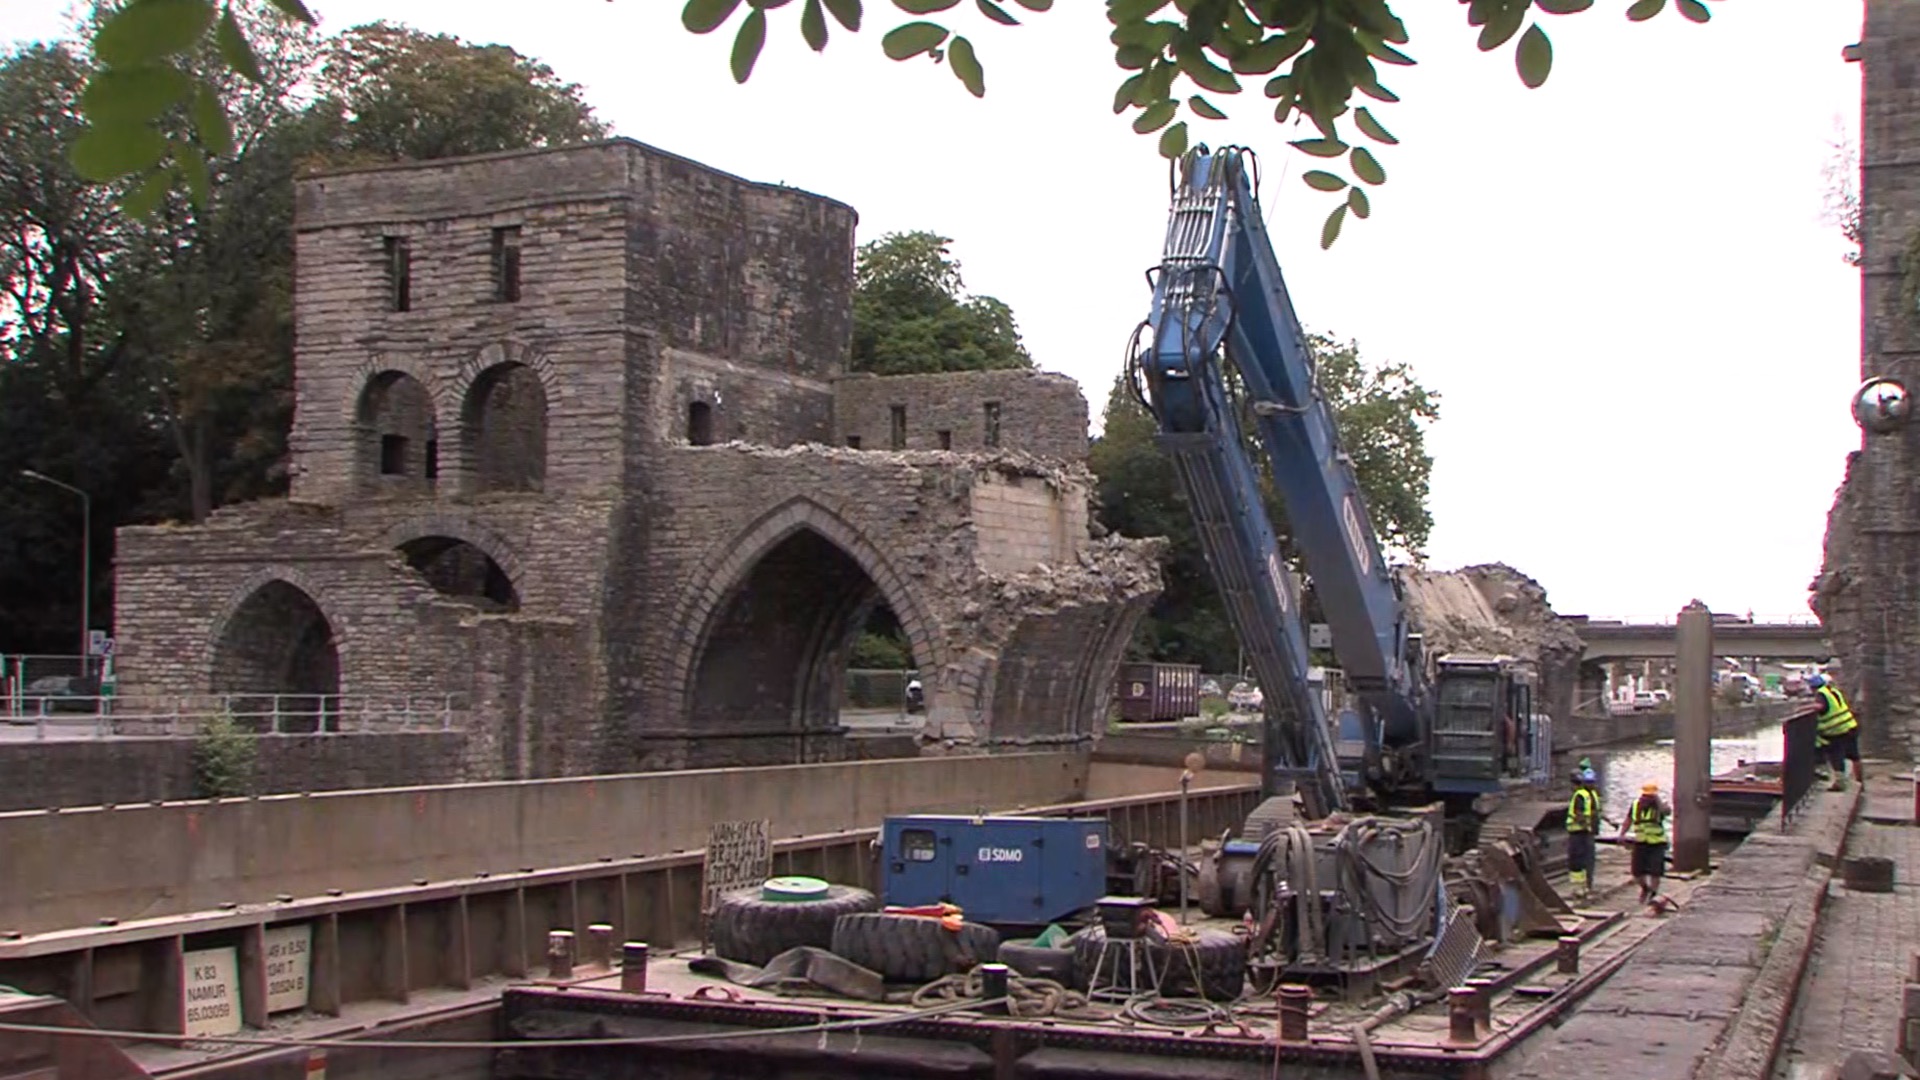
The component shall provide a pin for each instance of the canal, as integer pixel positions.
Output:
(1623, 769)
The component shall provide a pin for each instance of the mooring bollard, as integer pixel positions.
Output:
(600, 945)
(993, 988)
(1482, 1002)
(1568, 956)
(1295, 1003)
(1461, 1027)
(633, 967)
(560, 954)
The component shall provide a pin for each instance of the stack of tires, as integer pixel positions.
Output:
(755, 925)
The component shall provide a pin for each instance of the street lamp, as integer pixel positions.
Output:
(86, 564)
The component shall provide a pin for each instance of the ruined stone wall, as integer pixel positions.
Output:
(1040, 413)
(1868, 592)
(897, 529)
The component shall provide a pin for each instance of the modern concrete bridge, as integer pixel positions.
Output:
(1609, 639)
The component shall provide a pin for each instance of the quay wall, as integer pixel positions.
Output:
(73, 867)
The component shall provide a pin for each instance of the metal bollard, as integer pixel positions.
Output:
(1295, 1003)
(1482, 1002)
(560, 954)
(633, 967)
(1568, 955)
(993, 987)
(1461, 1026)
(600, 945)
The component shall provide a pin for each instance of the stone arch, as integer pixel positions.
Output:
(275, 654)
(396, 429)
(490, 542)
(845, 576)
(506, 392)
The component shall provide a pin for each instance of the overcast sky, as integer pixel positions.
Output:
(1620, 284)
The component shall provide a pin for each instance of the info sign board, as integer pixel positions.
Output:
(289, 961)
(211, 992)
(739, 856)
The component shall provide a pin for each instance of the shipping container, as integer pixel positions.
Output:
(1150, 692)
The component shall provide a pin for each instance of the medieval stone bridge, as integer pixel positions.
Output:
(573, 440)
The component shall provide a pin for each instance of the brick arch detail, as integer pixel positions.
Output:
(412, 366)
(496, 546)
(732, 561)
(494, 355)
(258, 580)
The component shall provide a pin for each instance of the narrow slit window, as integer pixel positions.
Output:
(946, 440)
(700, 423)
(431, 466)
(897, 430)
(991, 413)
(853, 442)
(506, 264)
(399, 273)
(393, 455)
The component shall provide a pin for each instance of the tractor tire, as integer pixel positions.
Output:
(1039, 962)
(1220, 956)
(912, 948)
(1221, 959)
(752, 930)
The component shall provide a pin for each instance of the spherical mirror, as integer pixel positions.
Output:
(1881, 406)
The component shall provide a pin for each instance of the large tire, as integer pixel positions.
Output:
(1039, 962)
(912, 948)
(1221, 956)
(751, 930)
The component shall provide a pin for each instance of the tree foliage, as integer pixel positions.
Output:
(1177, 54)
(1841, 206)
(912, 315)
(147, 358)
(1382, 411)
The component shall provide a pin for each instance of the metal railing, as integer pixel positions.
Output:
(265, 714)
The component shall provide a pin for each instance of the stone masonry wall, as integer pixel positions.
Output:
(1032, 411)
(95, 772)
(1868, 592)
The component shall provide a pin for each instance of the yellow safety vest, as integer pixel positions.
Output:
(1582, 810)
(1649, 821)
(1837, 719)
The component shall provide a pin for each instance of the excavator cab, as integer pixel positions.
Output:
(1486, 737)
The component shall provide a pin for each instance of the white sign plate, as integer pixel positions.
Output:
(289, 961)
(211, 991)
(739, 856)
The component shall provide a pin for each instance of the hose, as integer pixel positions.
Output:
(1026, 996)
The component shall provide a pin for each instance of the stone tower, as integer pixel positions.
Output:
(573, 450)
(1869, 590)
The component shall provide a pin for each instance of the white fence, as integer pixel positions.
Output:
(76, 716)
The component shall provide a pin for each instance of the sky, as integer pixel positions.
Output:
(1642, 332)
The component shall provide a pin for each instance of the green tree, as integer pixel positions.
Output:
(911, 314)
(1191, 59)
(396, 94)
(1382, 412)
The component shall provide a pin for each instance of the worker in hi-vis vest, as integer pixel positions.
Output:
(1583, 824)
(1836, 732)
(1646, 826)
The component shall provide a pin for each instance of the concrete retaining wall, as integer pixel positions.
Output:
(90, 772)
(1587, 731)
(73, 867)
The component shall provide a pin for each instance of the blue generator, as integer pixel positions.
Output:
(1008, 871)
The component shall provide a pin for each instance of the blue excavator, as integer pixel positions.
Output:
(1223, 366)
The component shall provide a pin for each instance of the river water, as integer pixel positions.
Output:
(1623, 769)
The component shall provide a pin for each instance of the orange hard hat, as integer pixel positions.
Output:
(1649, 789)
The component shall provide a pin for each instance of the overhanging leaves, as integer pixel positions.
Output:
(147, 30)
(1534, 57)
(912, 39)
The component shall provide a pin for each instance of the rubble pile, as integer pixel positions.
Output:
(1493, 608)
